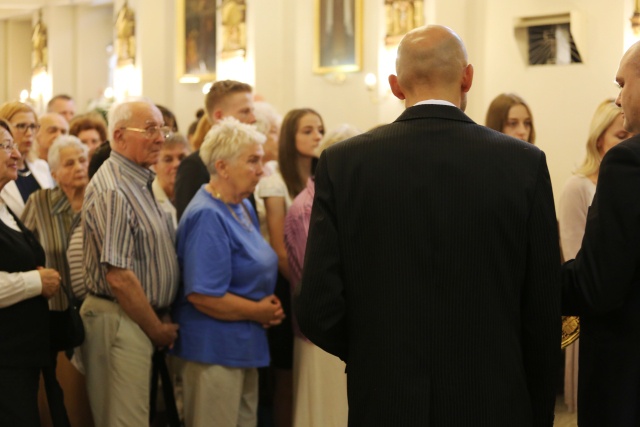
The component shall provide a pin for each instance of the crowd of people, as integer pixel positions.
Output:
(258, 259)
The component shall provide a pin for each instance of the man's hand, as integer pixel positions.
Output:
(165, 335)
(50, 279)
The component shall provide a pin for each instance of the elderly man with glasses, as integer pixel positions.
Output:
(131, 269)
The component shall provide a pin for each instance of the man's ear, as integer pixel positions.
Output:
(395, 87)
(467, 78)
(217, 115)
(117, 135)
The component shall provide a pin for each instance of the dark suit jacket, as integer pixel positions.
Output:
(432, 268)
(602, 285)
(192, 173)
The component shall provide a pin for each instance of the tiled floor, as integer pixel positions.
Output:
(564, 418)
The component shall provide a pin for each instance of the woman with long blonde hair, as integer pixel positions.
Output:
(605, 132)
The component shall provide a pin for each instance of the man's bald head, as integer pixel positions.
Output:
(431, 58)
(628, 78)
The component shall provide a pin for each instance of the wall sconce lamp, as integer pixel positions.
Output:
(635, 19)
(371, 83)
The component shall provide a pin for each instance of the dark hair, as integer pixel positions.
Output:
(168, 117)
(498, 113)
(220, 90)
(5, 125)
(101, 154)
(287, 151)
(88, 122)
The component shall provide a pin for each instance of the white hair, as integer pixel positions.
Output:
(266, 116)
(226, 140)
(122, 112)
(342, 132)
(64, 141)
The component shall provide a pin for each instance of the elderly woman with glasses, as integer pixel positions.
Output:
(33, 173)
(49, 214)
(229, 274)
(25, 287)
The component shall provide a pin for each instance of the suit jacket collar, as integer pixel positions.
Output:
(425, 111)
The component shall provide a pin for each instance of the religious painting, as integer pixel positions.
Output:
(402, 16)
(39, 46)
(197, 38)
(126, 35)
(338, 38)
(234, 28)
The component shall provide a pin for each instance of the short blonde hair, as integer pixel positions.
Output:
(605, 115)
(342, 132)
(226, 140)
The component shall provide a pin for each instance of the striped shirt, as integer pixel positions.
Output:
(49, 215)
(74, 257)
(124, 227)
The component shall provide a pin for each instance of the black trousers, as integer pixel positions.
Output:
(55, 396)
(19, 396)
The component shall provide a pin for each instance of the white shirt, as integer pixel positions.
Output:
(16, 287)
(435, 102)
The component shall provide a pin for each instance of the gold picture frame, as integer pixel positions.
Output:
(234, 28)
(402, 16)
(338, 36)
(197, 40)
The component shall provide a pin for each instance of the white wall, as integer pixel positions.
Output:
(94, 32)
(15, 75)
(562, 98)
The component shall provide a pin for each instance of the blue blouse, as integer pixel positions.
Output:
(217, 254)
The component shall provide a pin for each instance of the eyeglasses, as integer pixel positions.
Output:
(23, 127)
(153, 131)
(8, 146)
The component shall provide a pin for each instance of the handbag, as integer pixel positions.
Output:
(66, 327)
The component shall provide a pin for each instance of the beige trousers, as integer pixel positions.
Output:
(117, 359)
(219, 396)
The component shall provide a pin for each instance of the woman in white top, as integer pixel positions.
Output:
(605, 132)
(33, 173)
(174, 149)
(268, 123)
(300, 134)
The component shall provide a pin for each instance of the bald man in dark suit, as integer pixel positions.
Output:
(602, 285)
(432, 266)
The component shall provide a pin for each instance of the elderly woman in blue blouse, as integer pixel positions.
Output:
(229, 274)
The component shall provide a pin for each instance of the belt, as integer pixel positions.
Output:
(159, 311)
(102, 296)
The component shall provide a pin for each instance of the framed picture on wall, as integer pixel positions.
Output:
(234, 31)
(338, 36)
(402, 16)
(196, 39)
